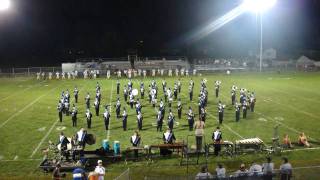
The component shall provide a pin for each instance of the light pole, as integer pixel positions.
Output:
(258, 7)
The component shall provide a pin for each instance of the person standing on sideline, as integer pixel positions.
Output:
(118, 86)
(199, 132)
(217, 138)
(100, 170)
(285, 170)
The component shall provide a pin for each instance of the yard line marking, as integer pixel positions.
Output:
(47, 134)
(19, 92)
(44, 138)
(108, 132)
(286, 126)
(305, 149)
(26, 107)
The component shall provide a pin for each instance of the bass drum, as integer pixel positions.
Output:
(90, 139)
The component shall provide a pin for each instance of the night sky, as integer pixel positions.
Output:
(48, 32)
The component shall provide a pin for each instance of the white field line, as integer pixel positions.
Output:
(19, 160)
(44, 138)
(19, 92)
(26, 107)
(108, 132)
(304, 149)
(46, 135)
(284, 125)
(293, 108)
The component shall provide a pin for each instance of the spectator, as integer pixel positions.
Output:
(242, 171)
(100, 170)
(287, 141)
(204, 174)
(79, 174)
(56, 174)
(303, 140)
(267, 168)
(255, 169)
(220, 171)
(285, 169)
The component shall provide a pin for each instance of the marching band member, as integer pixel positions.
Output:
(244, 109)
(179, 105)
(38, 75)
(138, 106)
(124, 119)
(187, 72)
(57, 75)
(125, 93)
(194, 72)
(203, 114)
(233, 94)
(81, 134)
(43, 75)
(199, 132)
(144, 73)
(252, 101)
(88, 117)
(118, 107)
(131, 100)
(63, 75)
(96, 106)
(217, 87)
(60, 109)
(118, 86)
(159, 121)
(74, 116)
(190, 92)
(98, 87)
(139, 72)
(179, 85)
(169, 92)
(66, 107)
(63, 141)
(217, 138)
(191, 83)
(177, 72)
(170, 72)
(170, 119)
(76, 94)
(50, 75)
(164, 85)
(190, 119)
(135, 141)
(168, 137)
(98, 95)
(119, 73)
(139, 120)
(87, 99)
(69, 75)
(142, 90)
(67, 96)
(237, 107)
(108, 74)
(220, 111)
(106, 117)
(175, 91)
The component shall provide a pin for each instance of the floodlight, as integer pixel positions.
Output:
(258, 6)
(4, 4)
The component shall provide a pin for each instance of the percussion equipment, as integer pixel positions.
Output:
(69, 146)
(247, 145)
(116, 147)
(105, 144)
(90, 139)
(135, 92)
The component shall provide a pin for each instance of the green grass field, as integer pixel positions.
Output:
(29, 119)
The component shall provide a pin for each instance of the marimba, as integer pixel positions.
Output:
(247, 145)
(178, 145)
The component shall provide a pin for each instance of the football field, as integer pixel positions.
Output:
(29, 116)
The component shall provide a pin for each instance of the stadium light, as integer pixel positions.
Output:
(258, 6)
(4, 5)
